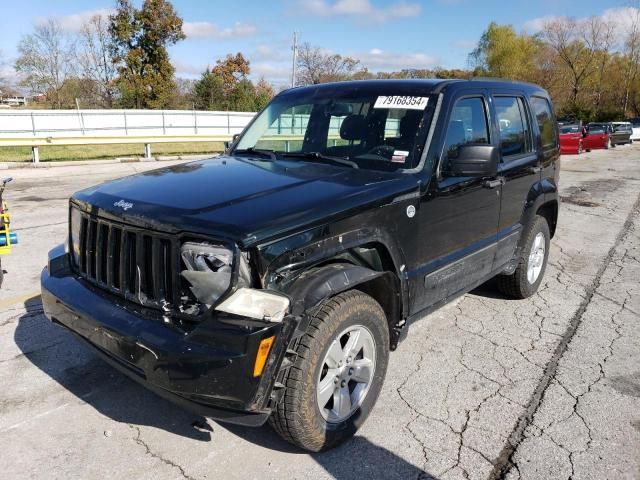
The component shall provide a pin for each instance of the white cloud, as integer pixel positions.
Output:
(184, 69)
(73, 23)
(273, 72)
(621, 17)
(377, 59)
(211, 30)
(359, 9)
(265, 52)
(537, 24)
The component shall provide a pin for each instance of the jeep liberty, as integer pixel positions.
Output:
(271, 282)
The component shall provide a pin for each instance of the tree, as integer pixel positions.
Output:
(231, 70)
(316, 66)
(139, 48)
(208, 92)
(574, 44)
(632, 52)
(264, 94)
(46, 60)
(95, 59)
(227, 87)
(501, 52)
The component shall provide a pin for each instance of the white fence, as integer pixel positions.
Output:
(54, 124)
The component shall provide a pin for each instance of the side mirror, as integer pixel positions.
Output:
(473, 161)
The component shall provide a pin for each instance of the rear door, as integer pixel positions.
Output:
(520, 167)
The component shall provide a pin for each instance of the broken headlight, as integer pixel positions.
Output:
(207, 271)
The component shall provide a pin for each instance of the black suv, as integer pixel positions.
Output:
(272, 282)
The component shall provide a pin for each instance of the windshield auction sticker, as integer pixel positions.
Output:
(401, 101)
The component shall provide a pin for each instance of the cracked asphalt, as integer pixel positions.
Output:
(486, 387)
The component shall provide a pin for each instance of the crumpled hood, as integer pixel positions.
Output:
(241, 198)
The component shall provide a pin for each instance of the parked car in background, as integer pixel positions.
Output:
(571, 140)
(598, 136)
(622, 132)
(635, 126)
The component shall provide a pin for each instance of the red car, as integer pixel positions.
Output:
(598, 136)
(571, 142)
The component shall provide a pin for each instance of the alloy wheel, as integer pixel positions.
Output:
(536, 258)
(346, 373)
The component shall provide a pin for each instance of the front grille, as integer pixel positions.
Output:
(137, 264)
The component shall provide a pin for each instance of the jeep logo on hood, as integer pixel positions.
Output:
(124, 205)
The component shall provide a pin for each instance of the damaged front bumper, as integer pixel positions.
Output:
(208, 370)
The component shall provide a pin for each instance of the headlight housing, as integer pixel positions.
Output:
(207, 271)
(258, 304)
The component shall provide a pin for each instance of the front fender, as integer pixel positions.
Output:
(313, 286)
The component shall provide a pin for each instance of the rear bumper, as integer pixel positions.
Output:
(208, 370)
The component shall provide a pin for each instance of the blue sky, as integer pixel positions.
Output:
(385, 35)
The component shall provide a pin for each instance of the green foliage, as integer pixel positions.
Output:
(226, 87)
(140, 40)
(501, 52)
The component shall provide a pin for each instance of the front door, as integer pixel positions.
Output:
(458, 218)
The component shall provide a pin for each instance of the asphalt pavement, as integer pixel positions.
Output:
(486, 387)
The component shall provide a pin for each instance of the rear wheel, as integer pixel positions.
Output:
(527, 277)
(337, 375)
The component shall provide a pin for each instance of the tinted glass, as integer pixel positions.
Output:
(514, 128)
(544, 117)
(381, 129)
(467, 124)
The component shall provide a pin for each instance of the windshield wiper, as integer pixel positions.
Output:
(319, 156)
(257, 151)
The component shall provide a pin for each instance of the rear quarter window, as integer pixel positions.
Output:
(546, 122)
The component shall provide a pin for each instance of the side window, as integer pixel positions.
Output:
(546, 124)
(467, 124)
(515, 138)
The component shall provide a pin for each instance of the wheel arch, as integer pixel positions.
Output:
(319, 283)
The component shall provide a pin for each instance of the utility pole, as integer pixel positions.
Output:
(294, 49)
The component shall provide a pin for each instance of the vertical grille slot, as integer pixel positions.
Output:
(138, 265)
(91, 248)
(115, 243)
(131, 279)
(102, 252)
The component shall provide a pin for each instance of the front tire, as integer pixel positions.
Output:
(337, 375)
(527, 277)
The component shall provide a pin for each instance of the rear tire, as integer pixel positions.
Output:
(312, 379)
(527, 277)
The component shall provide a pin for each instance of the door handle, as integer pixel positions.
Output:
(536, 169)
(493, 183)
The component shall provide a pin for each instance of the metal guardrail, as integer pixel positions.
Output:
(37, 128)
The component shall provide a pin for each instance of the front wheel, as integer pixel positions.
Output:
(337, 375)
(525, 281)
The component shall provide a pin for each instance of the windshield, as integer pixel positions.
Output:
(570, 129)
(597, 128)
(343, 125)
